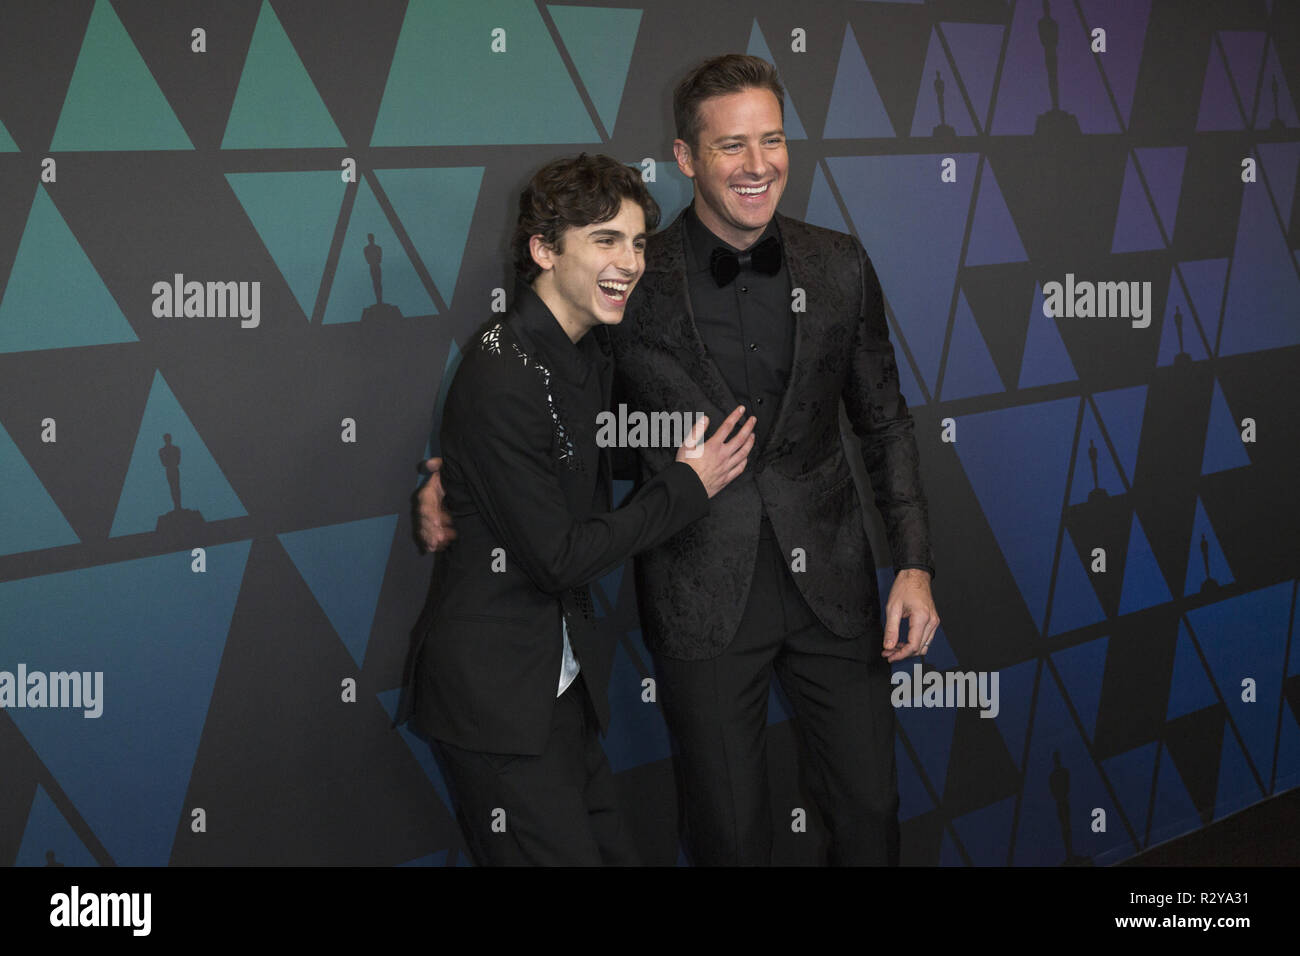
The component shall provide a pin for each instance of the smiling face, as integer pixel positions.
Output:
(739, 164)
(588, 282)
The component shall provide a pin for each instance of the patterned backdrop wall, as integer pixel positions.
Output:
(242, 242)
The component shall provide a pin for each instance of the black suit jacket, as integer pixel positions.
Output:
(693, 588)
(521, 473)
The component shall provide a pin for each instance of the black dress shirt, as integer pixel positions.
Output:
(746, 325)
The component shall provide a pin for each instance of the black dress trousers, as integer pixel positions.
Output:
(840, 694)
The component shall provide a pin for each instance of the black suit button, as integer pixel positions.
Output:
(753, 346)
(758, 401)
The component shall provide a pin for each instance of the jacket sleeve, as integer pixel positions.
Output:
(498, 433)
(878, 413)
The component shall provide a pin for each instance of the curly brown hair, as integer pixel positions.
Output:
(570, 193)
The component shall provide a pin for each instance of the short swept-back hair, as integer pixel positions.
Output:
(571, 193)
(718, 76)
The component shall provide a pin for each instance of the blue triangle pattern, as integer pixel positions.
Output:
(1245, 637)
(344, 566)
(986, 832)
(1190, 687)
(1144, 583)
(1224, 448)
(1196, 561)
(126, 771)
(1074, 601)
(1082, 668)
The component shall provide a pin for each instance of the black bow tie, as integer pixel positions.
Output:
(764, 257)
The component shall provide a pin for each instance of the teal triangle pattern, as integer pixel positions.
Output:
(146, 495)
(351, 290)
(126, 771)
(48, 839)
(436, 206)
(520, 96)
(671, 189)
(7, 144)
(758, 47)
(295, 215)
(55, 298)
(419, 746)
(1074, 600)
(1219, 570)
(344, 566)
(1190, 687)
(30, 518)
(277, 105)
(113, 101)
(600, 40)
(1144, 584)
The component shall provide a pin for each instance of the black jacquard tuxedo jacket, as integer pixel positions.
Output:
(528, 490)
(693, 588)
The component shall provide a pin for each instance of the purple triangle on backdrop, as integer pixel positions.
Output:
(1046, 360)
(1286, 111)
(993, 237)
(1223, 446)
(1125, 22)
(975, 47)
(1205, 279)
(1263, 288)
(1244, 50)
(926, 116)
(970, 370)
(1279, 161)
(1136, 229)
(1219, 108)
(1163, 168)
(1192, 342)
(1024, 94)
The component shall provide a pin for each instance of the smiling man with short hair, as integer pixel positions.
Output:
(742, 305)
